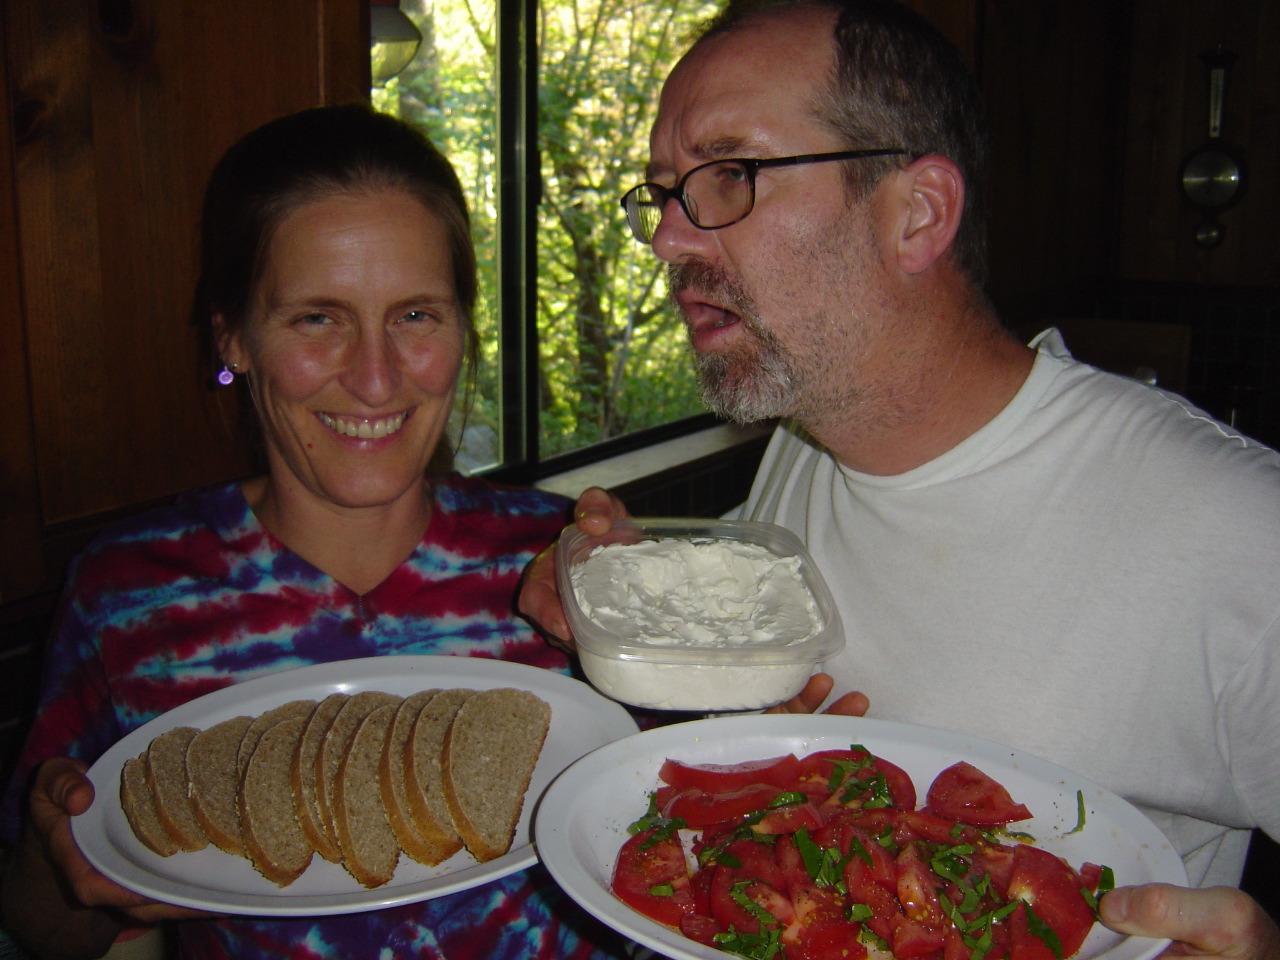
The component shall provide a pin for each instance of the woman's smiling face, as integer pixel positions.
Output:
(353, 346)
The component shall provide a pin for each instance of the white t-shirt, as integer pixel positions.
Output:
(1093, 577)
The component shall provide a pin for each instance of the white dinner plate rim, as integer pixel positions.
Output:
(126, 861)
(560, 821)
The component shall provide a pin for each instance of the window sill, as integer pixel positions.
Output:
(700, 474)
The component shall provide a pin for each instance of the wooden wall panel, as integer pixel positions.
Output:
(1168, 107)
(119, 122)
(1053, 80)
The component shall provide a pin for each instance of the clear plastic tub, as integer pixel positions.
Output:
(742, 667)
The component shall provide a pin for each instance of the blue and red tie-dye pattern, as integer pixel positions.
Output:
(195, 597)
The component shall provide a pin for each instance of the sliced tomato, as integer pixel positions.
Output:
(723, 777)
(917, 890)
(786, 820)
(732, 915)
(827, 940)
(653, 878)
(922, 825)
(701, 928)
(963, 792)
(700, 809)
(1052, 889)
(877, 775)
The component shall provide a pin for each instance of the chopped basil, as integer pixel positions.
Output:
(950, 863)
(764, 945)
(1079, 814)
(1106, 883)
(1043, 931)
(825, 865)
(662, 890)
(664, 827)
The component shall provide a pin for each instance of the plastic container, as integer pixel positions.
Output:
(714, 676)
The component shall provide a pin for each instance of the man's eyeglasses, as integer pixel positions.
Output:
(719, 193)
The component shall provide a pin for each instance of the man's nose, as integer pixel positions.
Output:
(676, 237)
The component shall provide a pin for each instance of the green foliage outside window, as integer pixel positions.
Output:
(613, 357)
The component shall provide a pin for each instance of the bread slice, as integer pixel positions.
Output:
(214, 774)
(273, 838)
(303, 777)
(140, 808)
(336, 742)
(489, 754)
(167, 777)
(264, 722)
(391, 781)
(370, 850)
(424, 776)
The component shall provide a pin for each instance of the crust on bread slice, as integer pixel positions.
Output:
(303, 777)
(214, 774)
(424, 785)
(273, 838)
(264, 722)
(391, 781)
(370, 850)
(140, 808)
(489, 756)
(167, 777)
(337, 740)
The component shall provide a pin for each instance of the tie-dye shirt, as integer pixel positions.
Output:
(192, 598)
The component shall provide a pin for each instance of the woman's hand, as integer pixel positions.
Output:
(808, 700)
(55, 902)
(1217, 922)
(539, 597)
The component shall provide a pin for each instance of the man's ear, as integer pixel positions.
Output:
(933, 188)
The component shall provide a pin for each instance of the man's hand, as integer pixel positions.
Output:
(1217, 922)
(817, 690)
(539, 597)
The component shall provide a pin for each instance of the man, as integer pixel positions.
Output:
(1021, 546)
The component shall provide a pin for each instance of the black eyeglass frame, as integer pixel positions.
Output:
(751, 165)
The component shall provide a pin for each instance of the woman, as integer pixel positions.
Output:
(338, 281)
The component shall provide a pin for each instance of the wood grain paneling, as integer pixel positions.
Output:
(121, 110)
(1168, 107)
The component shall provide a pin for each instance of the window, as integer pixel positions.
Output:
(581, 353)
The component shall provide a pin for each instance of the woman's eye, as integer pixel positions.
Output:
(314, 319)
(417, 316)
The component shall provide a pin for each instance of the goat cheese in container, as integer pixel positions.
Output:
(680, 614)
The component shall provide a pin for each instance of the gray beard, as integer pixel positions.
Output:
(748, 386)
(758, 381)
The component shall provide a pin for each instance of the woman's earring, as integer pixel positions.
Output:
(227, 373)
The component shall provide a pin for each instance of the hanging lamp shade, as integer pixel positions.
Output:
(393, 40)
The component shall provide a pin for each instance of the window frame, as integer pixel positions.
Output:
(519, 194)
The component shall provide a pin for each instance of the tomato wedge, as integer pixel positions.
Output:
(861, 779)
(1052, 889)
(699, 808)
(653, 878)
(963, 792)
(721, 777)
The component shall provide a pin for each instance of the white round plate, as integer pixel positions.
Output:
(210, 879)
(581, 821)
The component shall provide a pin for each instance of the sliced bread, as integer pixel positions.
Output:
(264, 722)
(140, 808)
(370, 850)
(167, 777)
(214, 774)
(273, 838)
(489, 755)
(303, 777)
(424, 783)
(337, 740)
(391, 780)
